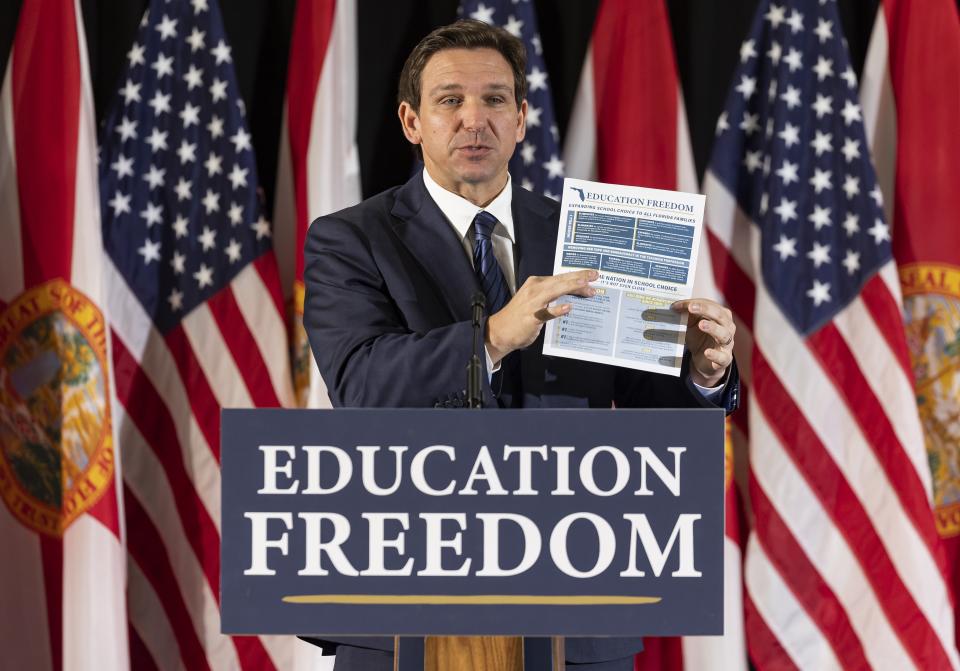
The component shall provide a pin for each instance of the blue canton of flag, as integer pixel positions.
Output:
(791, 145)
(536, 163)
(181, 215)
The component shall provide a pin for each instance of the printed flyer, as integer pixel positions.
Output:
(644, 243)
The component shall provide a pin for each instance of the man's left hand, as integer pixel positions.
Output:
(710, 331)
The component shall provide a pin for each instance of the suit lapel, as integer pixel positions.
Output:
(535, 224)
(430, 238)
(433, 242)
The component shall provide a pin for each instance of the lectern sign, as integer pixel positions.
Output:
(447, 522)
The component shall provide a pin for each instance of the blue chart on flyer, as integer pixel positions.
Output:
(644, 243)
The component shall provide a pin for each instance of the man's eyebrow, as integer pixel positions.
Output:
(446, 88)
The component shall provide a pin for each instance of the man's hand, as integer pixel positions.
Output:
(520, 321)
(710, 331)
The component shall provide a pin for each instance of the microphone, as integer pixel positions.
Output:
(478, 303)
(474, 369)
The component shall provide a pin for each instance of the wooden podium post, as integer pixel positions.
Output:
(473, 653)
(479, 653)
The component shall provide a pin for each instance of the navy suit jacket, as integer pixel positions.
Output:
(388, 313)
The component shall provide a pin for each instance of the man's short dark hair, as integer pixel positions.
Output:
(462, 34)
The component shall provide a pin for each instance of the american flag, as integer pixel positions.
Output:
(536, 164)
(843, 565)
(197, 318)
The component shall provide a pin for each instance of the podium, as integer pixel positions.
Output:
(403, 524)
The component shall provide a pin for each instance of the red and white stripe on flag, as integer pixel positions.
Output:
(319, 169)
(170, 390)
(911, 104)
(62, 576)
(630, 61)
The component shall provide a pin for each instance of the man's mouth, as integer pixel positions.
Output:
(474, 150)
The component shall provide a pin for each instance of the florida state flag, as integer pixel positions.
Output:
(62, 577)
(911, 102)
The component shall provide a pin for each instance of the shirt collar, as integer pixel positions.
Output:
(460, 212)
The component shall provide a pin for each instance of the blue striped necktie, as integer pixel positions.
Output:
(485, 264)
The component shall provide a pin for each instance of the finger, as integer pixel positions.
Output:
(586, 292)
(552, 312)
(721, 335)
(703, 307)
(577, 282)
(714, 311)
(719, 358)
(588, 274)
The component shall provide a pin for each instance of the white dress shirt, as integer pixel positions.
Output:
(460, 213)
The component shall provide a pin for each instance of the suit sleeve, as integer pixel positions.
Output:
(366, 353)
(637, 389)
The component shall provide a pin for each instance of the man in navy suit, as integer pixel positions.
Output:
(389, 282)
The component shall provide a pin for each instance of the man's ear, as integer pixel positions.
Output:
(410, 121)
(522, 121)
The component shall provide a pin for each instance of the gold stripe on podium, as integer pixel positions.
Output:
(473, 599)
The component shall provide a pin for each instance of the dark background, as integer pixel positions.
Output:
(707, 36)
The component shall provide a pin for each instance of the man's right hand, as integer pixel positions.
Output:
(520, 321)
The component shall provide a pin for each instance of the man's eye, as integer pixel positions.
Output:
(496, 100)
(450, 101)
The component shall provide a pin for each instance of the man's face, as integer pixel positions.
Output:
(468, 122)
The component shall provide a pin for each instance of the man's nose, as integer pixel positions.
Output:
(473, 116)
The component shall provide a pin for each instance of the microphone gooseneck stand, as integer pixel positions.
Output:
(474, 369)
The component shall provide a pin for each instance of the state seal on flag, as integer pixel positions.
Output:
(57, 455)
(299, 348)
(931, 299)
